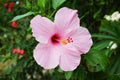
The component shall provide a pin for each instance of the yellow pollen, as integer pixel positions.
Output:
(64, 41)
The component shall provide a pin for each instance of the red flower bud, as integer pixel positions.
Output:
(11, 4)
(9, 10)
(22, 52)
(14, 50)
(14, 24)
(5, 4)
(18, 51)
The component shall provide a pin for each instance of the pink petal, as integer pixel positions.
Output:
(42, 28)
(69, 60)
(81, 39)
(66, 20)
(46, 56)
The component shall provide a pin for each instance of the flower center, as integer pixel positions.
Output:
(66, 41)
(55, 39)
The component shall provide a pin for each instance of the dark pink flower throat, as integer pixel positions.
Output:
(55, 39)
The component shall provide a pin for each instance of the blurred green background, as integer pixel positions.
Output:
(102, 62)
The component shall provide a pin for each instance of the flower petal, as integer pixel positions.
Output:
(66, 20)
(46, 57)
(42, 28)
(69, 60)
(81, 39)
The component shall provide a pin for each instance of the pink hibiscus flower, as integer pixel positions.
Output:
(62, 42)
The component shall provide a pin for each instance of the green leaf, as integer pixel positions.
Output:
(79, 74)
(101, 45)
(57, 3)
(59, 70)
(68, 75)
(109, 31)
(114, 66)
(114, 77)
(28, 4)
(41, 3)
(104, 36)
(22, 16)
(110, 27)
(96, 60)
(97, 14)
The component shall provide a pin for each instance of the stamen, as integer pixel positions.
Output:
(70, 39)
(66, 41)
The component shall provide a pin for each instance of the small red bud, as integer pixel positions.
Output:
(5, 4)
(11, 4)
(14, 50)
(22, 52)
(14, 24)
(18, 51)
(9, 10)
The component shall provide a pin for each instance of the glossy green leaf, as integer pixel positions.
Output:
(107, 31)
(22, 16)
(59, 70)
(79, 74)
(111, 28)
(41, 3)
(101, 45)
(68, 75)
(104, 36)
(96, 60)
(114, 67)
(114, 77)
(57, 3)
(28, 4)
(97, 14)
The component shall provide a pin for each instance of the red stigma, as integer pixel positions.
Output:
(69, 39)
